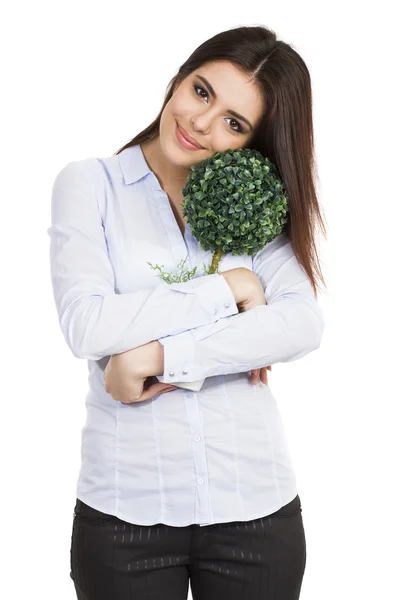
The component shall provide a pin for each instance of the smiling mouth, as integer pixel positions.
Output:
(182, 136)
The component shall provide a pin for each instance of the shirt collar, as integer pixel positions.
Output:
(133, 164)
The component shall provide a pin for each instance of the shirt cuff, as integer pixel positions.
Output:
(214, 293)
(177, 368)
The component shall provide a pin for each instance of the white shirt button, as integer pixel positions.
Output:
(227, 304)
(200, 481)
(184, 371)
(171, 373)
(196, 438)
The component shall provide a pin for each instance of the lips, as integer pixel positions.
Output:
(187, 136)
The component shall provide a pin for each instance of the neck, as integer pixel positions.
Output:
(170, 176)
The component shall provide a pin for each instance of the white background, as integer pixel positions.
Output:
(81, 79)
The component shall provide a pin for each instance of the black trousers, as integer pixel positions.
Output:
(262, 559)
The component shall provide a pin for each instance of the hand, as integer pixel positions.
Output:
(242, 282)
(256, 298)
(260, 373)
(125, 382)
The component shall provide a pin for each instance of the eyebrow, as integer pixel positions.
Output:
(231, 112)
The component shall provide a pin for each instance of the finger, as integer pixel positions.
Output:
(254, 376)
(264, 376)
(154, 390)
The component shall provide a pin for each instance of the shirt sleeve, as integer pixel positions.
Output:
(95, 321)
(287, 328)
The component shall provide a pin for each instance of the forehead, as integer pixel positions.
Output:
(224, 67)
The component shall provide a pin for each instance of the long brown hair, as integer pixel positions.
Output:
(285, 134)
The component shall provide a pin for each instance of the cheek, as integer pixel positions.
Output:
(226, 143)
(223, 140)
(182, 105)
(168, 119)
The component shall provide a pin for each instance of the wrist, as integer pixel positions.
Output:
(151, 361)
(239, 288)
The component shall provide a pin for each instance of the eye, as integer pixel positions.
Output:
(197, 87)
(240, 128)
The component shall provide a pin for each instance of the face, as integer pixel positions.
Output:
(206, 116)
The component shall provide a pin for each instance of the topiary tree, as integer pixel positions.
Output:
(235, 202)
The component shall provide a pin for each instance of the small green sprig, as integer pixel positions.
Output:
(183, 275)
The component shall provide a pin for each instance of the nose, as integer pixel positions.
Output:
(199, 124)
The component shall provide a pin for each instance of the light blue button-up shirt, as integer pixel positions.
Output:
(182, 457)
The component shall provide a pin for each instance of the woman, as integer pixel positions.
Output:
(175, 485)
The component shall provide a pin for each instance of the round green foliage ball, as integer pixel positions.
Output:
(235, 202)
